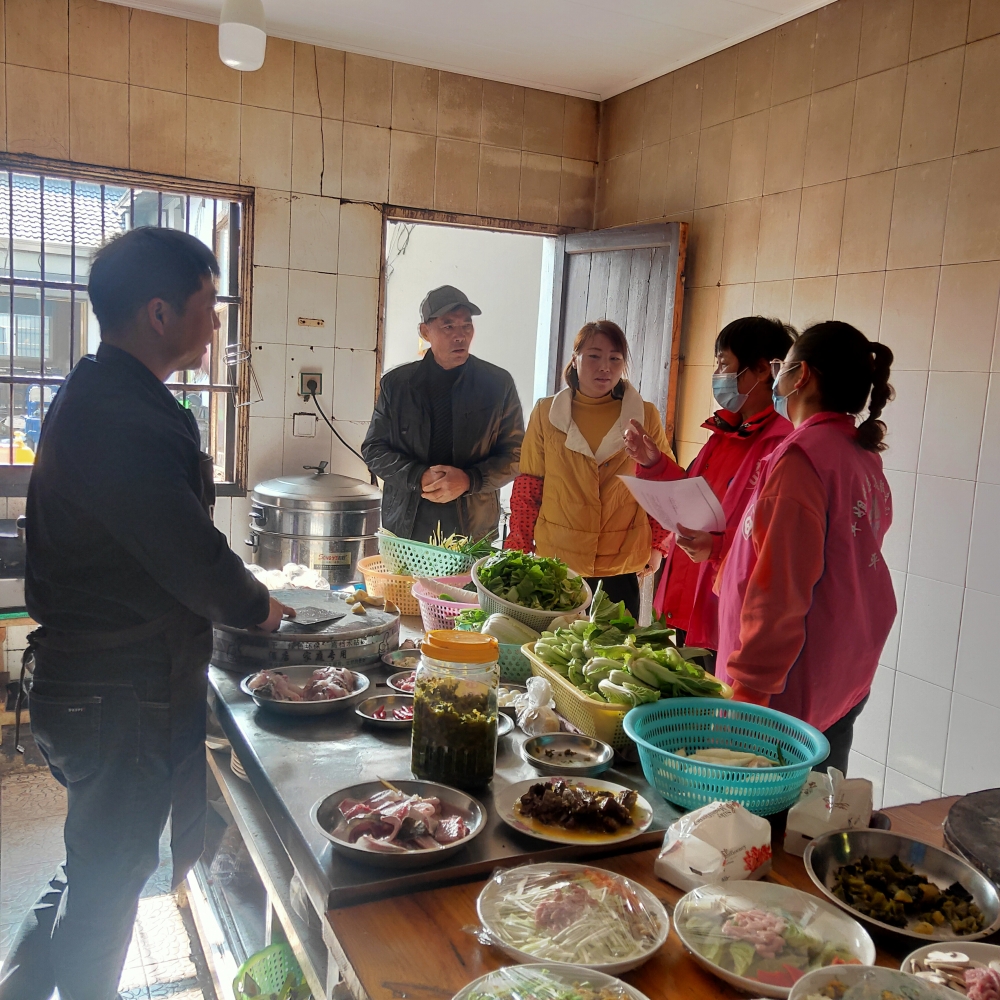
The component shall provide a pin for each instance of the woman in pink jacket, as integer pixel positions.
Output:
(805, 598)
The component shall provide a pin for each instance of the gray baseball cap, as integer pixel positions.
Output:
(441, 300)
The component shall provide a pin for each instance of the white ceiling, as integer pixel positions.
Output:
(590, 48)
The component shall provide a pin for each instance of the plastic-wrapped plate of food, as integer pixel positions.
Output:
(548, 981)
(574, 810)
(572, 914)
(866, 983)
(763, 938)
(305, 690)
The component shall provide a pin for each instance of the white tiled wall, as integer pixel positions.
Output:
(299, 247)
(936, 700)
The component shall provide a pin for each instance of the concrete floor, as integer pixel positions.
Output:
(164, 957)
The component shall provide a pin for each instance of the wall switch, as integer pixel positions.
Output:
(305, 378)
(304, 425)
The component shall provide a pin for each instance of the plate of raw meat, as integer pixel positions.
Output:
(399, 824)
(305, 690)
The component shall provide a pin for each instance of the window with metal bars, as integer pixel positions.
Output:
(51, 224)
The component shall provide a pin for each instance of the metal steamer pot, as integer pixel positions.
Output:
(324, 521)
(348, 640)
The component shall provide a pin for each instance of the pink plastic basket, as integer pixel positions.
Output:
(435, 613)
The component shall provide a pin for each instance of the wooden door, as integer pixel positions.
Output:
(633, 275)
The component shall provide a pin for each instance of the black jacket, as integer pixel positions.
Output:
(488, 428)
(117, 533)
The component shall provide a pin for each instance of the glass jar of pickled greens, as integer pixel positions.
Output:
(454, 737)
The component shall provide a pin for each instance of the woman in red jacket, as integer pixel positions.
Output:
(743, 432)
(805, 598)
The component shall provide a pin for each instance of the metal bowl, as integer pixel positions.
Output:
(509, 710)
(505, 725)
(366, 710)
(566, 755)
(299, 675)
(826, 854)
(325, 817)
(398, 657)
(394, 679)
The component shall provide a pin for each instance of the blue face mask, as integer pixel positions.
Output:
(781, 402)
(727, 395)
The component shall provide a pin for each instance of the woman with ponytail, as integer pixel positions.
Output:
(568, 500)
(805, 598)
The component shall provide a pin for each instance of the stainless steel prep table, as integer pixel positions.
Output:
(292, 763)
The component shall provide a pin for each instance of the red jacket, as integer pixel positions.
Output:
(730, 463)
(806, 601)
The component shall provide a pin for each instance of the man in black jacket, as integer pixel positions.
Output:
(125, 574)
(446, 432)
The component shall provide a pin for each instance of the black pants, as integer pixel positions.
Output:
(841, 736)
(108, 741)
(620, 588)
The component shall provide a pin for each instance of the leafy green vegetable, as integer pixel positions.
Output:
(472, 619)
(538, 582)
(742, 954)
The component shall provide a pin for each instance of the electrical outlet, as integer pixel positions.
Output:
(305, 378)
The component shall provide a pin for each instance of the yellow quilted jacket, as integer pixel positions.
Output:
(588, 518)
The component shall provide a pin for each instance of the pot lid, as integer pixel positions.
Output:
(320, 487)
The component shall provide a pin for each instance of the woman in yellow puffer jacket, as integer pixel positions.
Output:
(568, 500)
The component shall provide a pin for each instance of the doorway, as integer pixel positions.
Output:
(500, 271)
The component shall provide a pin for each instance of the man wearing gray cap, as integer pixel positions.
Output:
(446, 432)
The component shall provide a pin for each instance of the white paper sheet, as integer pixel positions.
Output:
(690, 502)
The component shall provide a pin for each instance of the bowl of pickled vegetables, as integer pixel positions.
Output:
(763, 938)
(903, 886)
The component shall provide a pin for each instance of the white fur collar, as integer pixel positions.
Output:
(561, 417)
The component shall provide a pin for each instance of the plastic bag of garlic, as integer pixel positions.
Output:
(291, 576)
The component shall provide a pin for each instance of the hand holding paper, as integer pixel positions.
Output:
(690, 502)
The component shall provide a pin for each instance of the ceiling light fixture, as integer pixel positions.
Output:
(242, 34)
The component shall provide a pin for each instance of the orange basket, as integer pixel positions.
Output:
(379, 582)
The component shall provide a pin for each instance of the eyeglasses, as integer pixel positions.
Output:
(778, 369)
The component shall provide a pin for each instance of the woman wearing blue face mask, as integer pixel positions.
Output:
(741, 434)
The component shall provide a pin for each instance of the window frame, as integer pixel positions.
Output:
(14, 478)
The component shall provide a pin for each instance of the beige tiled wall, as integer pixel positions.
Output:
(318, 133)
(847, 165)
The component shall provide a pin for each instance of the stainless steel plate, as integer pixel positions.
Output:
(567, 755)
(399, 659)
(826, 854)
(367, 709)
(393, 681)
(325, 816)
(299, 675)
(505, 725)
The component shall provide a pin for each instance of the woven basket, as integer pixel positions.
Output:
(268, 969)
(515, 667)
(538, 620)
(405, 556)
(696, 723)
(435, 613)
(379, 582)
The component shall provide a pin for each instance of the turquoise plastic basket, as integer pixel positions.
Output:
(515, 667)
(268, 969)
(698, 723)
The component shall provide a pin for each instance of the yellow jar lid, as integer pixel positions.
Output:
(455, 646)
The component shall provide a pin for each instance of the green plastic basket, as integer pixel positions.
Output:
(403, 556)
(269, 969)
(515, 667)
